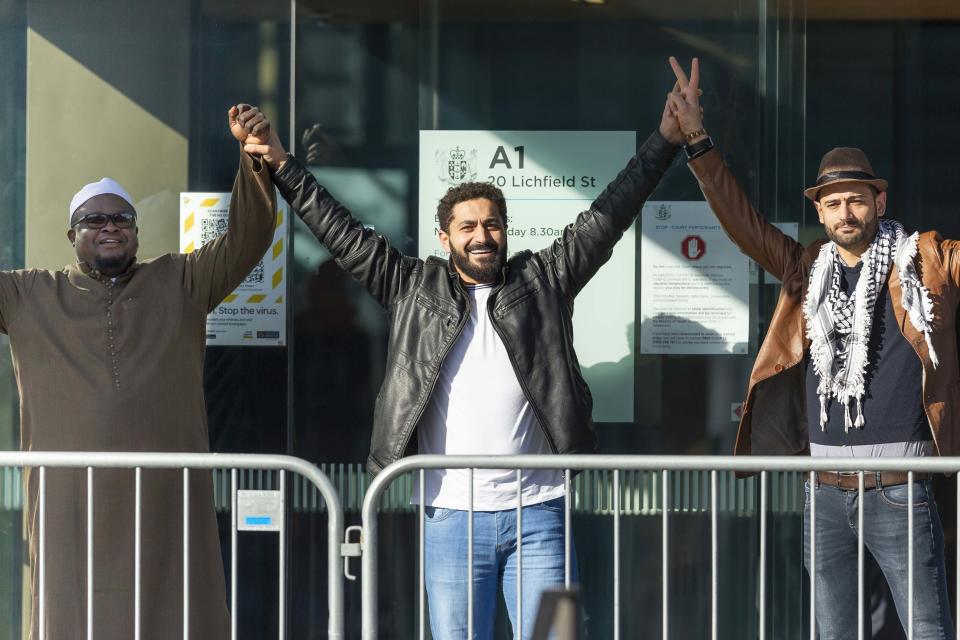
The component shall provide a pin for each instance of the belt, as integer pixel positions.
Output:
(850, 480)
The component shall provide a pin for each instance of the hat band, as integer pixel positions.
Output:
(845, 175)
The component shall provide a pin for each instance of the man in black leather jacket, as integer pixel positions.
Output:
(458, 329)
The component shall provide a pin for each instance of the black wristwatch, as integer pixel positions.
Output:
(697, 149)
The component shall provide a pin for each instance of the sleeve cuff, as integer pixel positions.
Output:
(254, 164)
(289, 172)
(657, 152)
(705, 167)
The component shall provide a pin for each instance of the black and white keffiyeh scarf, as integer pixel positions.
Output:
(839, 325)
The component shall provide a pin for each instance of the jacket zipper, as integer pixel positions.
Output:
(923, 399)
(433, 382)
(443, 356)
(923, 387)
(513, 363)
(526, 392)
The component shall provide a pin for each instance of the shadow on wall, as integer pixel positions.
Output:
(332, 370)
(681, 402)
(613, 385)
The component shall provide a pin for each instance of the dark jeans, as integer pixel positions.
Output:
(885, 534)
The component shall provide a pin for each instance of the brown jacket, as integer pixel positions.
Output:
(118, 366)
(774, 420)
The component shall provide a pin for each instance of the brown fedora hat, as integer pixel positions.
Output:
(844, 164)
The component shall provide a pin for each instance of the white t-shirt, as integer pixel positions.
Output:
(478, 408)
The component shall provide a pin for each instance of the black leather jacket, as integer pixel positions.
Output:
(531, 307)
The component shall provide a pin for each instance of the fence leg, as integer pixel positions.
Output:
(282, 587)
(42, 560)
(422, 560)
(89, 553)
(186, 554)
(616, 554)
(470, 562)
(137, 551)
(762, 590)
(860, 586)
(813, 555)
(910, 555)
(519, 629)
(714, 578)
(665, 553)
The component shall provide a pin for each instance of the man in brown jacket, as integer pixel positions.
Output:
(108, 354)
(860, 360)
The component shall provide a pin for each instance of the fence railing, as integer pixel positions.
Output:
(648, 492)
(664, 466)
(186, 462)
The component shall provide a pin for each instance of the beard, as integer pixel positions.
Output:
(488, 268)
(112, 266)
(864, 235)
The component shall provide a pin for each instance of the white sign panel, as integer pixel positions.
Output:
(259, 510)
(694, 283)
(254, 314)
(548, 177)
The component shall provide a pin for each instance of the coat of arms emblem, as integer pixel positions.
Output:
(456, 165)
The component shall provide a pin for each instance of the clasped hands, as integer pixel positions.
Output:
(253, 130)
(682, 113)
(682, 117)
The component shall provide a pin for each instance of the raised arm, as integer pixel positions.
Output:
(365, 254)
(214, 270)
(771, 248)
(587, 243)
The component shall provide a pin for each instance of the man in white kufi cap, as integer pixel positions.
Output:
(108, 354)
(104, 186)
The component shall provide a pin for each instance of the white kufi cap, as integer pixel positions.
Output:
(103, 187)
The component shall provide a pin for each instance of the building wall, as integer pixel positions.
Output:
(108, 93)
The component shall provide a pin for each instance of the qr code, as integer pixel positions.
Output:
(256, 276)
(213, 228)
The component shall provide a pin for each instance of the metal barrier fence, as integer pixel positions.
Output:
(664, 465)
(186, 462)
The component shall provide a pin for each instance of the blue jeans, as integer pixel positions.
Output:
(494, 566)
(885, 538)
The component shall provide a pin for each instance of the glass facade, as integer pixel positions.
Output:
(139, 90)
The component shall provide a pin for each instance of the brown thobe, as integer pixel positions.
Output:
(117, 365)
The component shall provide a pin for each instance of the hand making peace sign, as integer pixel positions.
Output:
(684, 101)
